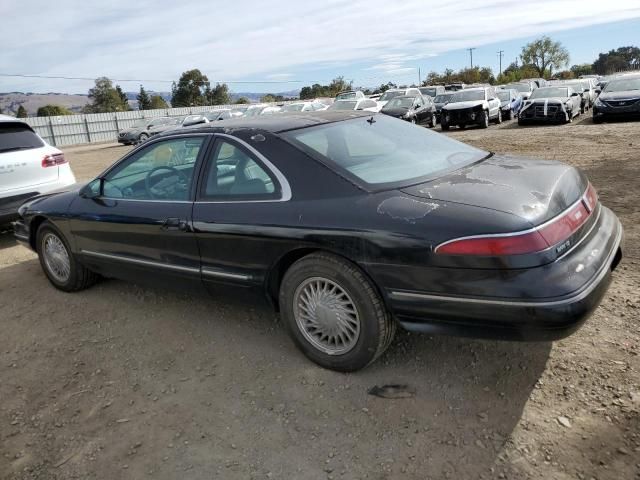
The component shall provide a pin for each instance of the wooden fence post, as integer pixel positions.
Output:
(86, 127)
(53, 136)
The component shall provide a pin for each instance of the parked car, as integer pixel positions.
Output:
(539, 82)
(454, 87)
(270, 110)
(351, 95)
(558, 104)
(432, 91)
(217, 115)
(29, 166)
(361, 104)
(619, 99)
(440, 101)
(395, 92)
(255, 110)
(139, 132)
(452, 242)
(412, 108)
(510, 103)
(523, 88)
(304, 107)
(471, 106)
(587, 94)
(178, 122)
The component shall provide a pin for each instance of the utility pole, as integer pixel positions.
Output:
(471, 54)
(419, 77)
(500, 54)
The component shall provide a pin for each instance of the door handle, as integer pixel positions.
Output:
(175, 224)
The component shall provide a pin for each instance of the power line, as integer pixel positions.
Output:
(60, 77)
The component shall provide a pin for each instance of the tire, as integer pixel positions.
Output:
(499, 117)
(78, 278)
(433, 121)
(413, 120)
(374, 327)
(143, 138)
(444, 126)
(520, 122)
(570, 117)
(598, 119)
(582, 108)
(462, 126)
(484, 123)
(509, 115)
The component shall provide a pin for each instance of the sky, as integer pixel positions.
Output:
(282, 45)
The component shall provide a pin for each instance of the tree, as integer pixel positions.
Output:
(545, 55)
(22, 112)
(582, 69)
(104, 98)
(337, 85)
(123, 98)
(190, 89)
(156, 102)
(53, 111)
(219, 95)
(623, 58)
(144, 102)
(241, 101)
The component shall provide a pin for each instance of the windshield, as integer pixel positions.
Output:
(295, 107)
(384, 151)
(467, 95)
(343, 105)
(428, 91)
(622, 85)
(386, 96)
(140, 123)
(14, 136)
(521, 87)
(549, 92)
(400, 102)
(443, 98)
(253, 111)
(346, 96)
(504, 95)
(158, 121)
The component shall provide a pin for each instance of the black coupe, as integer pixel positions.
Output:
(350, 223)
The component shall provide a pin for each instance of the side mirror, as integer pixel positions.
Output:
(598, 91)
(92, 189)
(575, 94)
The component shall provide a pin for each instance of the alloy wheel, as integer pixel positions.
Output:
(56, 257)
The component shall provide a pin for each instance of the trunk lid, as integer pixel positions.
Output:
(535, 190)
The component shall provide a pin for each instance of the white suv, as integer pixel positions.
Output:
(28, 167)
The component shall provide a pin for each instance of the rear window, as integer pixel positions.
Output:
(384, 151)
(18, 137)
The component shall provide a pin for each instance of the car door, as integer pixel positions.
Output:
(239, 195)
(135, 220)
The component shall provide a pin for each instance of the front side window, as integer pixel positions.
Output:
(232, 174)
(162, 171)
(384, 151)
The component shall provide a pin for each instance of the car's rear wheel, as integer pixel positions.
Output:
(58, 263)
(333, 313)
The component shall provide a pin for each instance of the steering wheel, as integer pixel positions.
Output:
(164, 190)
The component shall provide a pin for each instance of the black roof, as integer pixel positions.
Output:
(274, 123)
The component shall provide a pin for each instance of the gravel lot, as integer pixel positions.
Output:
(121, 381)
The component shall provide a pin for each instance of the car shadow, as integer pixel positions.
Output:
(232, 360)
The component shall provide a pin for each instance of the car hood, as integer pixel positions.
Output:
(162, 128)
(130, 130)
(626, 95)
(535, 190)
(461, 105)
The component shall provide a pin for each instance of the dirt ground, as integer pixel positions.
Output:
(124, 382)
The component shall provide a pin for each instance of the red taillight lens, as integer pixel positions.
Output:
(553, 232)
(53, 160)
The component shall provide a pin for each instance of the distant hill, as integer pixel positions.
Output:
(9, 102)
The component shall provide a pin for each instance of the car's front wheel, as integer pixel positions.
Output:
(333, 313)
(484, 120)
(499, 117)
(59, 265)
(143, 138)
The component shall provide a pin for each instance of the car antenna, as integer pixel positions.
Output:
(371, 120)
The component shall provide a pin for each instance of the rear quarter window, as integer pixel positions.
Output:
(14, 136)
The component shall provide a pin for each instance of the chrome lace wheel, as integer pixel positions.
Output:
(326, 315)
(56, 257)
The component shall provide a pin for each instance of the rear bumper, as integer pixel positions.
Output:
(525, 319)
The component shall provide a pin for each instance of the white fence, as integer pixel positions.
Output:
(101, 127)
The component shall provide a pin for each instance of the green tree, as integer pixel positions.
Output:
(144, 102)
(53, 111)
(219, 95)
(190, 89)
(582, 69)
(337, 85)
(241, 101)
(22, 112)
(104, 98)
(622, 58)
(545, 55)
(123, 98)
(156, 102)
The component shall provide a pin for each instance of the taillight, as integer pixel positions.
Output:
(53, 159)
(540, 238)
